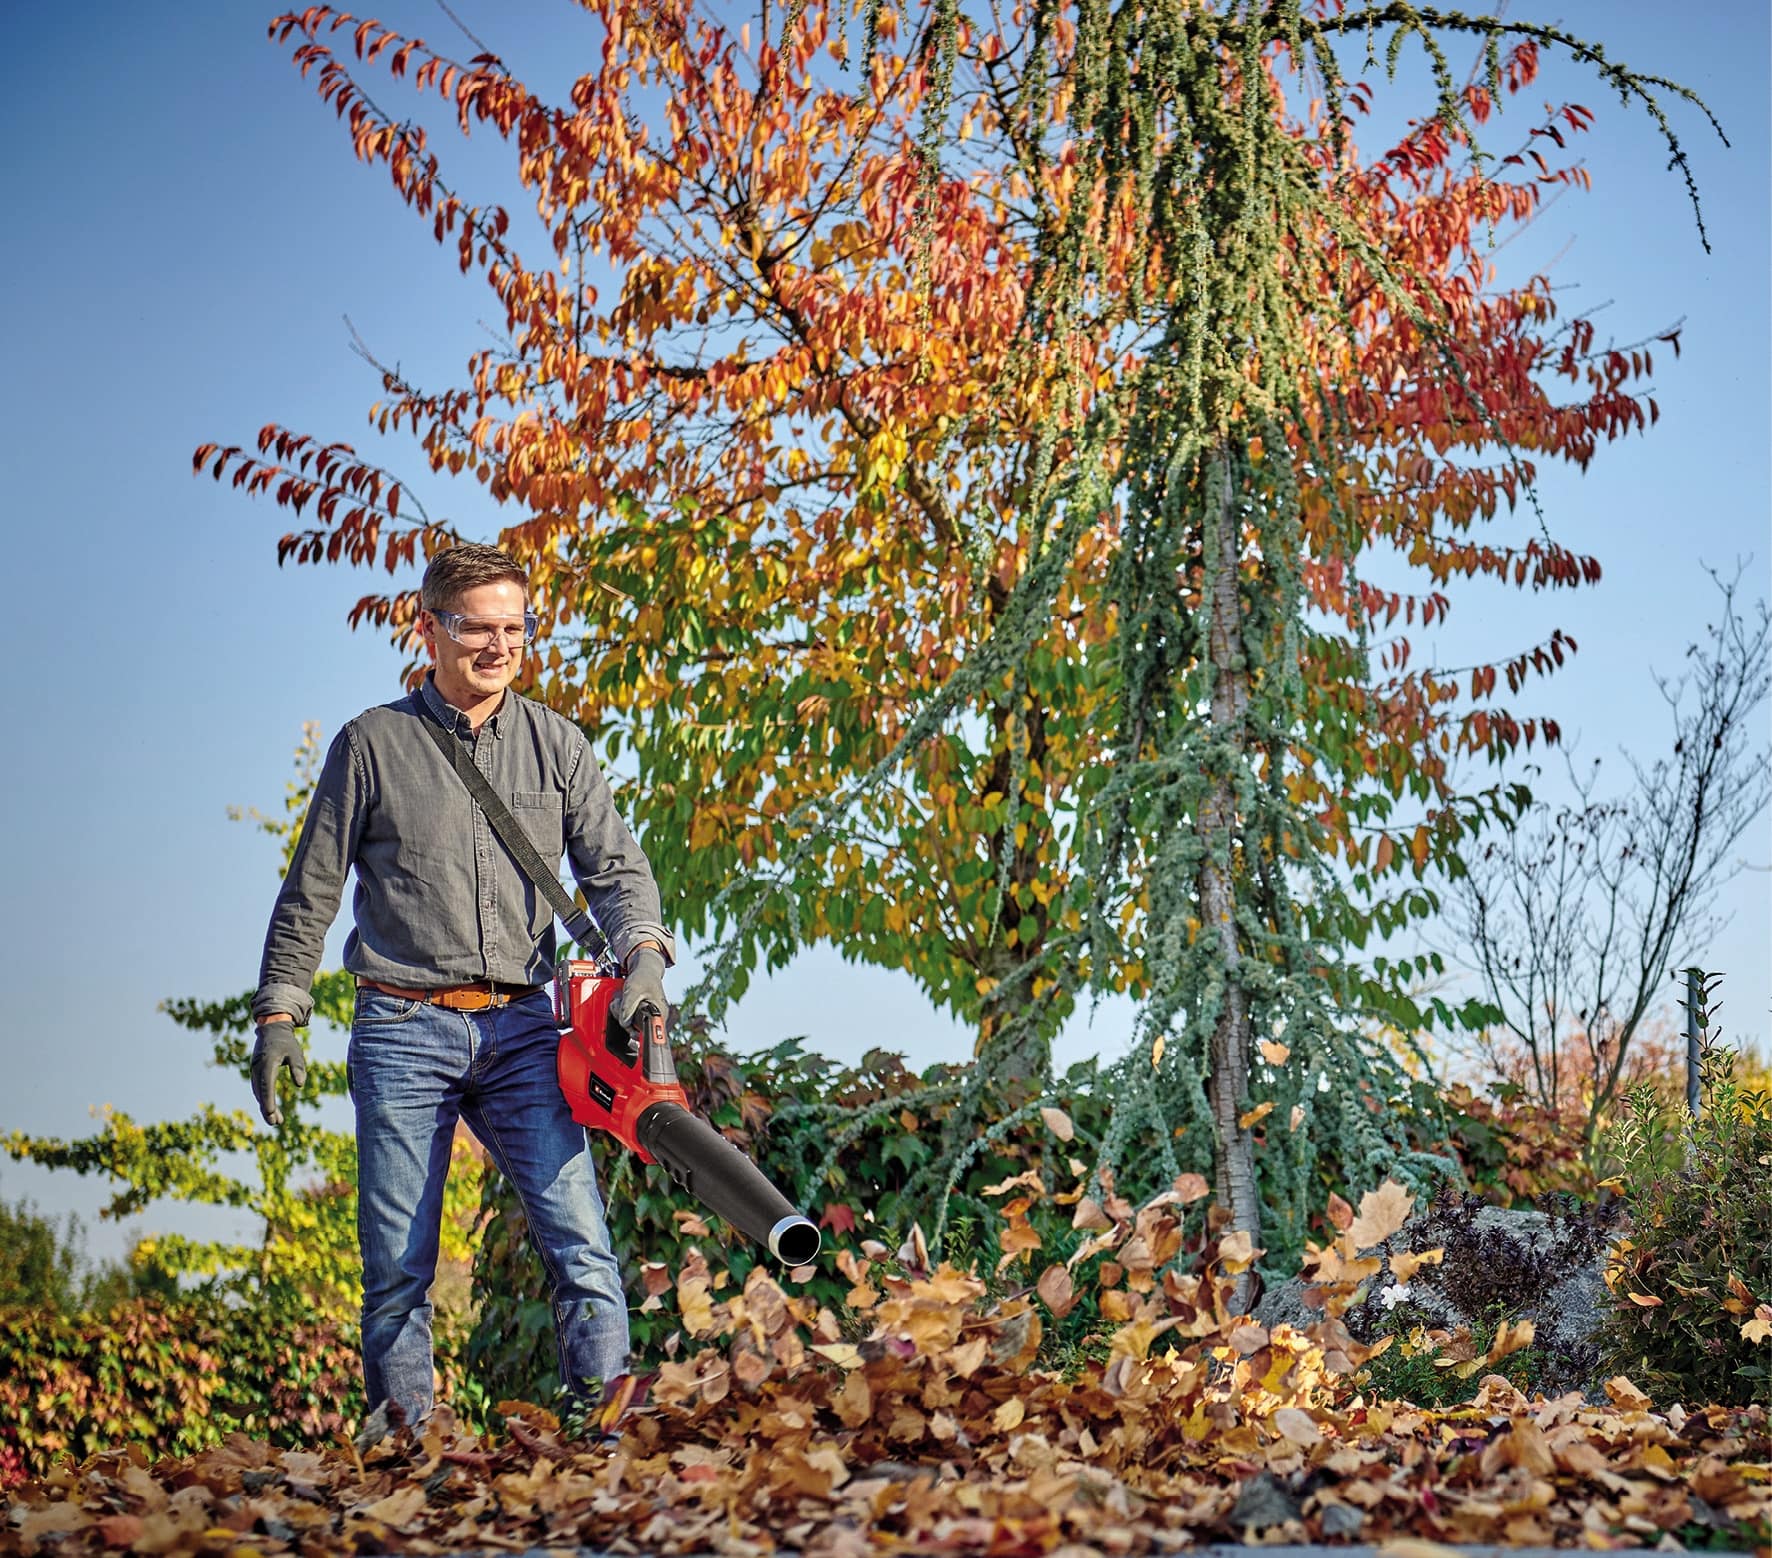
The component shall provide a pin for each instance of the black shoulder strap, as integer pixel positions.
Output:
(583, 928)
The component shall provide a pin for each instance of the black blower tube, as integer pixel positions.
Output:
(725, 1181)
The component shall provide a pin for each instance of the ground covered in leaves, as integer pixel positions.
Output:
(924, 1421)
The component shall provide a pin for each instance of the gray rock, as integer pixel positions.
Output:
(1341, 1520)
(1262, 1504)
(1565, 1312)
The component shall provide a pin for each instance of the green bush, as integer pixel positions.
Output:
(1685, 1285)
(176, 1377)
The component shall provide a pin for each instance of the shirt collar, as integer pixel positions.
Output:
(452, 718)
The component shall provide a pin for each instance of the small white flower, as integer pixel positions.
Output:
(1396, 1293)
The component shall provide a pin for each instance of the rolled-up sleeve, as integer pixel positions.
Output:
(308, 902)
(608, 863)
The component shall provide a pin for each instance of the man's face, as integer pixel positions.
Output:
(486, 664)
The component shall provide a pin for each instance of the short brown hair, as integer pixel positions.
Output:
(461, 567)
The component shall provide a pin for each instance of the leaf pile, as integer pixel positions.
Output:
(924, 1420)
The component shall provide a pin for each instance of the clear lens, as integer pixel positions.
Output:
(472, 633)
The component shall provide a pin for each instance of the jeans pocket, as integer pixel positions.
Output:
(376, 1008)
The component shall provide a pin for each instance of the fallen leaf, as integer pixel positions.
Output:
(1009, 1414)
(1059, 1123)
(1237, 1251)
(1382, 1212)
(399, 1508)
(1190, 1188)
(1298, 1426)
(1256, 1115)
(1341, 1215)
(1274, 1053)
(1089, 1215)
(1056, 1291)
(1404, 1264)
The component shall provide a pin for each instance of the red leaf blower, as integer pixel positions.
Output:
(626, 1084)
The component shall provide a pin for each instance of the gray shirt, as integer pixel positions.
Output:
(439, 900)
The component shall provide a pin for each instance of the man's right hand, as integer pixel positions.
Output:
(277, 1046)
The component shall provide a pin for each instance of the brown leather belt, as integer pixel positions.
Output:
(458, 998)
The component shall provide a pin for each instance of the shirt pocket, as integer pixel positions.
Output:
(542, 815)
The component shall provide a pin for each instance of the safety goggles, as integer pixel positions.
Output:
(477, 633)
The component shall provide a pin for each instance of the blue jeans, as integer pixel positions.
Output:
(414, 1070)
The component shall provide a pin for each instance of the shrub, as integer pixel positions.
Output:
(1514, 1149)
(176, 1377)
(1689, 1312)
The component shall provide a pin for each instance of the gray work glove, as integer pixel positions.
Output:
(642, 986)
(277, 1047)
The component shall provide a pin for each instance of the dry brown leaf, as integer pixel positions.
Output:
(1274, 1052)
(1059, 1123)
(1341, 1215)
(399, 1508)
(1247, 1339)
(1298, 1426)
(1190, 1188)
(1089, 1215)
(1236, 1251)
(1056, 1291)
(1382, 1212)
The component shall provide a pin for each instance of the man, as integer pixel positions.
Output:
(452, 948)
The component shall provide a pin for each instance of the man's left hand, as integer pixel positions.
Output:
(641, 987)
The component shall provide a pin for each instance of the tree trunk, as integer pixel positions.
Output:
(1228, 1082)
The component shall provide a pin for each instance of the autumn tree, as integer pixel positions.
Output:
(948, 446)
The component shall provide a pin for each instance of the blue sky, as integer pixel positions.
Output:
(189, 231)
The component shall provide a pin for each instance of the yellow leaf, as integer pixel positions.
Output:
(1256, 1115)
(1157, 1051)
(1404, 1265)
(1009, 1415)
(1273, 1053)
(1645, 1300)
(1758, 1329)
(1237, 1251)
(846, 1355)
